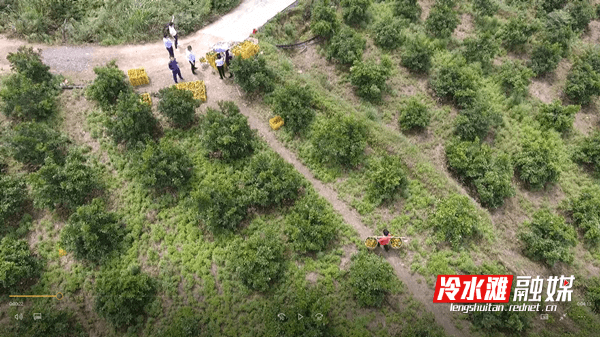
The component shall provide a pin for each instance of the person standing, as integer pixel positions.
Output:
(175, 69)
(219, 63)
(191, 58)
(168, 45)
(228, 58)
(173, 31)
(385, 241)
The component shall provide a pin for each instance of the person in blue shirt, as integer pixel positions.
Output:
(168, 45)
(191, 58)
(219, 63)
(175, 69)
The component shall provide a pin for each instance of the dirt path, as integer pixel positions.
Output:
(77, 64)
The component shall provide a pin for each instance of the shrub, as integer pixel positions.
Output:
(539, 161)
(452, 78)
(30, 143)
(227, 132)
(515, 78)
(185, 322)
(339, 140)
(558, 29)
(417, 52)
(585, 213)
(588, 152)
(272, 180)
(388, 33)
(54, 322)
(408, 9)
(23, 99)
(108, 85)
(253, 74)
(223, 6)
(479, 167)
(323, 20)
(355, 12)
(583, 83)
(503, 320)
(67, 186)
(485, 7)
(91, 233)
(17, 265)
(581, 12)
(548, 238)
(311, 224)
(294, 102)
(306, 301)
(551, 5)
(259, 261)
(178, 105)
(482, 48)
(371, 278)
(456, 220)
(28, 62)
(131, 121)
(162, 166)
(121, 296)
(545, 58)
(517, 32)
(476, 120)
(369, 78)
(557, 116)
(593, 293)
(386, 179)
(221, 202)
(346, 46)
(13, 195)
(414, 115)
(442, 20)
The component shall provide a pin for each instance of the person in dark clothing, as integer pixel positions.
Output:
(385, 241)
(168, 45)
(228, 58)
(219, 63)
(175, 69)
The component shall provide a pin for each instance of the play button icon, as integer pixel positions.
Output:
(300, 317)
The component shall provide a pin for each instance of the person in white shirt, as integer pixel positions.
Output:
(173, 31)
(219, 63)
(168, 45)
(191, 58)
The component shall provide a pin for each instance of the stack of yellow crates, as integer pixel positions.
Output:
(245, 49)
(138, 76)
(197, 88)
(146, 98)
(210, 58)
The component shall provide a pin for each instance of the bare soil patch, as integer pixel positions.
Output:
(465, 28)
(349, 250)
(592, 34)
(312, 277)
(549, 87)
(425, 8)
(586, 121)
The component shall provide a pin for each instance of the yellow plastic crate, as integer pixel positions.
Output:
(245, 49)
(138, 76)
(146, 98)
(276, 122)
(198, 88)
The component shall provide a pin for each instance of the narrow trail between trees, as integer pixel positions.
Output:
(77, 62)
